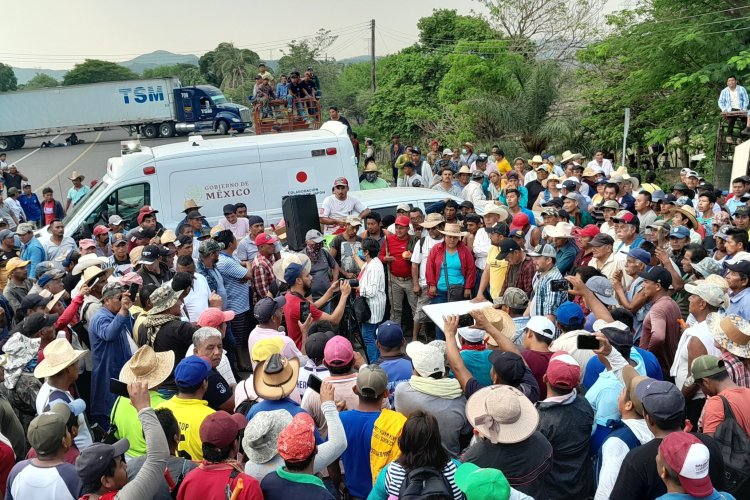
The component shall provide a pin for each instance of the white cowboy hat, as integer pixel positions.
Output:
(568, 156)
(561, 230)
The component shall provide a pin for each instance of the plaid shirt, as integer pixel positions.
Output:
(525, 277)
(546, 301)
(262, 276)
(736, 368)
(725, 102)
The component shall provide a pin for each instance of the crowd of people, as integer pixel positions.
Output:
(606, 352)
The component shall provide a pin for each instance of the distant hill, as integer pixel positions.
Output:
(158, 58)
(23, 75)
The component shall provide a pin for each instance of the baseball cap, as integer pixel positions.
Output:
(639, 254)
(46, 431)
(402, 220)
(5, 234)
(292, 272)
(515, 298)
(426, 359)
(471, 334)
(570, 314)
(191, 371)
(24, 228)
(220, 428)
(372, 381)
(709, 292)
(541, 325)
(705, 366)
(112, 289)
(119, 238)
(616, 332)
(314, 235)
(722, 232)
(740, 266)
(266, 307)
(341, 181)
(603, 289)
(601, 239)
(589, 231)
(447, 151)
(570, 185)
(661, 399)
(686, 455)
(297, 440)
(229, 208)
(563, 370)
(573, 196)
(99, 230)
(52, 274)
(338, 351)
(208, 246)
(316, 344)
(115, 220)
(509, 366)
(610, 204)
(150, 254)
(742, 210)
(389, 334)
(481, 483)
(679, 232)
(543, 250)
(265, 239)
(15, 263)
(86, 243)
(94, 460)
(34, 322)
(519, 221)
(626, 217)
(518, 233)
(657, 275)
(507, 245)
(499, 228)
(214, 317)
(354, 220)
(148, 209)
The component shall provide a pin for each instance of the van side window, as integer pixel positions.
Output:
(384, 211)
(125, 202)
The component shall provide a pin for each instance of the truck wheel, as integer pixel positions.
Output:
(166, 129)
(222, 127)
(150, 131)
(20, 141)
(6, 143)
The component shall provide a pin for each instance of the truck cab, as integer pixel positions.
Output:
(204, 107)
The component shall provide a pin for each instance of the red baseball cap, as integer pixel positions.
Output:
(265, 239)
(214, 317)
(297, 440)
(99, 230)
(563, 370)
(519, 221)
(685, 454)
(220, 429)
(148, 209)
(338, 351)
(624, 216)
(341, 181)
(588, 231)
(402, 220)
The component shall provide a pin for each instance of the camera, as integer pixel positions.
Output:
(354, 283)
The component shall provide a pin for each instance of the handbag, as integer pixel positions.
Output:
(361, 308)
(455, 292)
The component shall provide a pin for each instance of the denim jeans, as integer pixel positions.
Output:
(368, 335)
(300, 108)
(440, 298)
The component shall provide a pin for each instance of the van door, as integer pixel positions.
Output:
(125, 201)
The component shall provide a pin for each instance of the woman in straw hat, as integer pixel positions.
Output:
(732, 336)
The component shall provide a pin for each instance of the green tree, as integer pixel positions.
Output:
(95, 70)
(41, 81)
(445, 27)
(186, 73)
(228, 66)
(8, 79)
(351, 92)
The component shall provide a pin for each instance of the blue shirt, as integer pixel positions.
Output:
(398, 370)
(110, 349)
(281, 404)
(454, 271)
(358, 426)
(566, 255)
(235, 282)
(715, 495)
(282, 90)
(604, 393)
(739, 303)
(478, 363)
(594, 367)
(31, 207)
(33, 251)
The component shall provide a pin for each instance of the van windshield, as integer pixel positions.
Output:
(84, 202)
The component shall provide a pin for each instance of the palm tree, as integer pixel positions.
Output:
(232, 65)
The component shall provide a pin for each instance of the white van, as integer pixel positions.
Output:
(255, 170)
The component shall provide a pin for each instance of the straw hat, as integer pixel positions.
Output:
(469, 145)
(75, 175)
(86, 261)
(168, 237)
(552, 177)
(148, 366)
(54, 299)
(731, 333)
(276, 377)
(502, 414)
(190, 205)
(633, 180)
(569, 156)
(689, 212)
(432, 220)
(279, 267)
(590, 172)
(92, 273)
(536, 160)
(464, 170)
(561, 230)
(58, 355)
(262, 434)
(500, 320)
(371, 167)
(453, 230)
(135, 254)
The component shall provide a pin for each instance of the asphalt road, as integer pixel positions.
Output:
(53, 166)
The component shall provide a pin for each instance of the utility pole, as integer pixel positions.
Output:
(372, 54)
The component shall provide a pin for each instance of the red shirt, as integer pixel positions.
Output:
(209, 481)
(291, 315)
(538, 362)
(48, 209)
(400, 267)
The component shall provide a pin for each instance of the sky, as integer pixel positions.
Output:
(47, 34)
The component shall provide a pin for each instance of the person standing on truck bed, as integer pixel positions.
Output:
(338, 206)
(78, 191)
(335, 116)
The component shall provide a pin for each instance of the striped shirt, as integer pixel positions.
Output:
(396, 474)
(235, 282)
(545, 301)
(372, 288)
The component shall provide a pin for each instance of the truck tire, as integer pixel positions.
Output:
(150, 131)
(222, 127)
(20, 141)
(166, 129)
(6, 143)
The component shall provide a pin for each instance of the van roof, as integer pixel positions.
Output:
(197, 145)
(395, 195)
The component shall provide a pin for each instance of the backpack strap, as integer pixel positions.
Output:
(728, 414)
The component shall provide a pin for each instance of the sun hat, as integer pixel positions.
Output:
(281, 265)
(167, 237)
(53, 299)
(163, 298)
(372, 381)
(569, 156)
(260, 442)
(501, 320)
(75, 175)
(687, 456)
(502, 414)
(297, 440)
(338, 351)
(537, 159)
(426, 359)
(371, 167)
(453, 230)
(551, 178)
(95, 460)
(220, 428)
(481, 483)
(563, 370)
(689, 212)
(86, 261)
(432, 220)
(94, 274)
(561, 230)
(603, 289)
(711, 294)
(276, 377)
(47, 430)
(732, 333)
(542, 325)
(148, 366)
(58, 355)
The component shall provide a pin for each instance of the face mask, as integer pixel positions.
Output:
(371, 176)
(463, 151)
(361, 254)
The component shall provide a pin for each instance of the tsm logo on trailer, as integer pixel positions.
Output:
(142, 94)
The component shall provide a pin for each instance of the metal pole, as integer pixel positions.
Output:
(625, 136)
(372, 54)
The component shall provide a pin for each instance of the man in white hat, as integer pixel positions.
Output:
(77, 191)
(59, 368)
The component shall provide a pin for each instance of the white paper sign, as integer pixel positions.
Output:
(436, 311)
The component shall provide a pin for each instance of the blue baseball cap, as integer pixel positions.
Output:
(639, 254)
(191, 371)
(389, 334)
(570, 314)
(292, 272)
(679, 232)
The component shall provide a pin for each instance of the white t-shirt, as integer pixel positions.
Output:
(481, 247)
(239, 229)
(197, 300)
(606, 166)
(734, 98)
(224, 369)
(83, 439)
(680, 370)
(420, 254)
(309, 369)
(340, 209)
(51, 483)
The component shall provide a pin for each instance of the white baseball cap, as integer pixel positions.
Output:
(426, 359)
(542, 325)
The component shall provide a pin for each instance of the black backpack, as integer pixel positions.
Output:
(425, 483)
(735, 449)
(244, 407)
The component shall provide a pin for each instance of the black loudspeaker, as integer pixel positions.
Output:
(300, 215)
